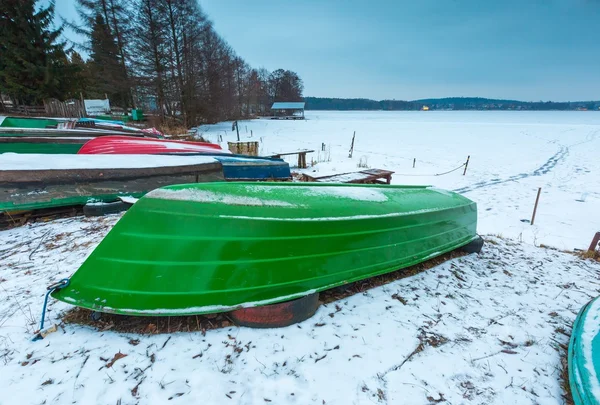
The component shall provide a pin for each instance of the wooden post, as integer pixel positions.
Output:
(323, 146)
(302, 160)
(251, 134)
(595, 242)
(246, 128)
(352, 145)
(467, 165)
(414, 161)
(537, 199)
(83, 112)
(237, 130)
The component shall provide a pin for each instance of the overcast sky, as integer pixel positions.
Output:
(399, 49)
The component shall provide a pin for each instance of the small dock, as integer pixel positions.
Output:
(369, 176)
(301, 156)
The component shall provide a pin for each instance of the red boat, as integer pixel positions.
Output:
(129, 145)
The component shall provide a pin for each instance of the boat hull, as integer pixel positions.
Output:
(32, 182)
(43, 145)
(24, 122)
(126, 145)
(584, 355)
(205, 248)
(235, 167)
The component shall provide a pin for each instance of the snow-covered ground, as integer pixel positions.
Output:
(512, 155)
(480, 329)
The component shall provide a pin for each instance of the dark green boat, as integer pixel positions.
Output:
(205, 248)
(28, 122)
(41, 144)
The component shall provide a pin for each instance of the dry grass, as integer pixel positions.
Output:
(590, 254)
(202, 323)
(147, 324)
(564, 376)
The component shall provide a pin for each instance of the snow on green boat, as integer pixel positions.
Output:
(584, 355)
(214, 247)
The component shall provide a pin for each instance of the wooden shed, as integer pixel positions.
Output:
(285, 110)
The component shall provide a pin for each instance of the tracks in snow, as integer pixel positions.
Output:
(550, 164)
(543, 169)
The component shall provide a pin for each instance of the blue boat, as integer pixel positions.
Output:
(240, 167)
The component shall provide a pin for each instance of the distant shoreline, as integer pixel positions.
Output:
(445, 104)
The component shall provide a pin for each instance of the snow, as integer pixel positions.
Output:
(205, 196)
(591, 328)
(16, 161)
(340, 218)
(351, 193)
(343, 178)
(128, 199)
(513, 153)
(484, 328)
(488, 325)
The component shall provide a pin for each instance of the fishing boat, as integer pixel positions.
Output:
(235, 167)
(584, 355)
(214, 247)
(34, 182)
(127, 145)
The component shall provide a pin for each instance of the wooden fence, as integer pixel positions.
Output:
(51, 108)
(70, 109)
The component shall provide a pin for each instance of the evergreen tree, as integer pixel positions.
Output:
(150, 60)
(109, 19)
(33, 64)
(108, 74)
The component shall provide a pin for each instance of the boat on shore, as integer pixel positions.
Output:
(29, 122)
(235, 167)
(35, 182)
(60, 135)
(42, 144)
(127, 145)
(584, 355)
(215, 247)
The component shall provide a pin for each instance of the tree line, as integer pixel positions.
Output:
(163, 56)
(451, 103)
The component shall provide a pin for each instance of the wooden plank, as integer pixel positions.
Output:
(361, 177)
(304, 151)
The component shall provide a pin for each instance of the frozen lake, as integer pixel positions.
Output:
(513, 153)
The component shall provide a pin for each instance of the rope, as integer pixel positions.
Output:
(430, 175)
(51, 288)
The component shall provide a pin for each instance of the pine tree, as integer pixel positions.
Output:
(150, 43)
(33, 64)
(108, 74)
(106, 25)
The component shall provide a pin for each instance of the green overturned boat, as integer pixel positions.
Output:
(214, 247)
(584, 355)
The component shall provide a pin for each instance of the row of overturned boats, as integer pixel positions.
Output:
(218, 239)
